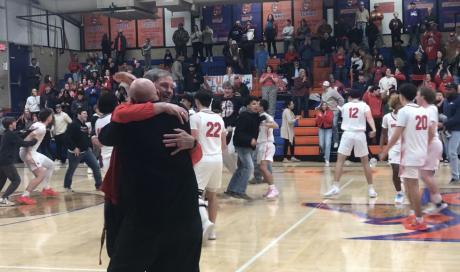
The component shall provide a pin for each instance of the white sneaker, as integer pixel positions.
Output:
(211, 59)
(333, 191)
(372, 192)
(212, 236)
(208, 228)
(4, 202)
(399, 198)
(89, 171)
(327, 164)
(272, 193)
(373, 162)
(294, 159)
(336, 145)
(286, 160)
(434, 209)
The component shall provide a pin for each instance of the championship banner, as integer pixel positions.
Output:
(216, 82)
(345, 11)
(311, 11)
(281, 11)
(172, 21)
(387, 8)
(447, 11)
(422, 5)
(127, 27)
(95, 26)
(249, 12)
(219, 19)
(152, 29)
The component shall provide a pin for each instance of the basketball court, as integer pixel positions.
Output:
(298, 232)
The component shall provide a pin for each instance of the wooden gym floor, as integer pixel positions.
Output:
(299, 232)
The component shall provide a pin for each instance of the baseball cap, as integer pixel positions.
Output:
(326, 84)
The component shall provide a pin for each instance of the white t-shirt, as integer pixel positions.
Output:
(354, 116)
(39, 130)
(389, 122)
(210, 127)
(414, 140)
(385, 83)
(433, 117)
(266, 133)
(106, 151)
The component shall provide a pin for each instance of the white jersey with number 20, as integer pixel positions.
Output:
(354, 116)
(210, 127)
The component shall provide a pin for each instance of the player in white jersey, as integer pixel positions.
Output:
(355, 114)
(389, 123)
(426, 98)
(266, 149)
(208, 128)
(106, 105)
(414, 132)
(40, 165)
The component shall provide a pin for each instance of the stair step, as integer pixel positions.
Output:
(307, 122)
(306, 150)
(306, 140)
(306, 131)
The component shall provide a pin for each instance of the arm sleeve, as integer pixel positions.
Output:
(194, 122)
(402, 118)
(385, 122)
(111, 134)
(69, 137)
(126, 113)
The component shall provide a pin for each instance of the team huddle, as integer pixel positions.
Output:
(413, 147)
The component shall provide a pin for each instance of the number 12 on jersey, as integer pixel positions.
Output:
(353, 112)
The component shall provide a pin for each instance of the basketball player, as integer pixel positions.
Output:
(355, 114)
(412, 129)
(426, 99)
(40, 165)
(394, 156)
(208, 128)
(266, 149)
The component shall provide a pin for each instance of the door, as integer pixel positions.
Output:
(19, 61)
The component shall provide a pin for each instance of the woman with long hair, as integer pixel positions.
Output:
(287, 131)
(324, 122)
(269, 80)
(270, 33)
(196, 37)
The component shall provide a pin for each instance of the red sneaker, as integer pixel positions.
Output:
(49, 193)
(421, 226)
(25, 200)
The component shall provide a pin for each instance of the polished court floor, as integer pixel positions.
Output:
(300, 231)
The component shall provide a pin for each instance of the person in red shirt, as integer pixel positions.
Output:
(378, 71)
(291, 55)
(374, 98)
(340, 71)
(431, 51)
(442, 82)
(324, 121)
(74, 68)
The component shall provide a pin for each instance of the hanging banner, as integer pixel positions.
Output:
(152, 29)
(281, 11)
(249, 12)
(94, 27)
(219, 19)
(345, 10)
(311, 11)
(387, 7)
(448, 9)
(127, 27)
(172, 21)
(422, 5)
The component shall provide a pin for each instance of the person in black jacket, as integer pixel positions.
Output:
(120, 47)
(106, 46)
(452, 124)
(245, 141)
(33, 75)
(78, 149)
(9, 150)
(396, 26)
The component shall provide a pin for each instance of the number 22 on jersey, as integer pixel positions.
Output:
(213, 130)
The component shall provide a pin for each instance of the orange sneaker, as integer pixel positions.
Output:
(25, 200)
(421, 226)
(49, 193)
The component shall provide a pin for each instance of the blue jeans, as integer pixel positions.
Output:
(325, 137)
(335, 128)
(301, 105)
(243, 172)
(90, 160)
(453, 146)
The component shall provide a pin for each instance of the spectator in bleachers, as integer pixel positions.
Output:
(356, 65)
(361, 20)
(261, 57)
(456, 67)
(110, 65)
(106, 46)
(376, 18)
(288, 35)
(193, 79)
(232, 56)
(47, 82)
(397, 51)
(388, 82)
(65, 100)
(180, 39)
(107, 81)
(291, 55)
(356, 36)
(92, 94)
(341, 30)
(196, 37)
(48, 99)
(287, 131)
(440, 62)
(323, 28)
(146, 51)
(236, 33)
(269, 80)
(413, 24)
(396, 27)
(431, 54)
(451, 47)
(418, 67)
(240, 87)
(229, 75)
(333, 99)
(335, 84)
(374, 98)
(324, 121)
(79, 102)
(138, 71)
(167, 60)
(340, 71)
(428, 82)
(444, 80)
(303, 31)
(270, 33)
(429, 19)
(378, 71)
(74, 67)
(90, 69)
(307, 54)
(208, 41)
(120, 46)
(293, 71)
(301, 94)
(177, 75)
(327, 45)
(33, 103)
(361, 85)
(33, 75)
(247, 54)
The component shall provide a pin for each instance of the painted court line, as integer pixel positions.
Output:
(61, 269)
(282, 235)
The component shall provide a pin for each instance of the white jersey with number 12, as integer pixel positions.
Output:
(354, 116)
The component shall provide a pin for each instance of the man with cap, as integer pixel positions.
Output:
(452, 124)
(414, 18)
(333, 99)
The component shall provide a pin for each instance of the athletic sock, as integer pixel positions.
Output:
(370, 186)
(26, 193)
(203, 211)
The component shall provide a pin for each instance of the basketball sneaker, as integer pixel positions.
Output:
(294, 159)
(333, 191)
(399, 198)
(436, 208)
(416, 225)
(49, 193)
(212, 236)
(208, 228)
(326, 164)
(372, 192)
(272, 193)
(4, 202)
(25, 200)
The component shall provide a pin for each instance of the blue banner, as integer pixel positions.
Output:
(249, 12)
(448, 9)
(219, 18)
(346, 10)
